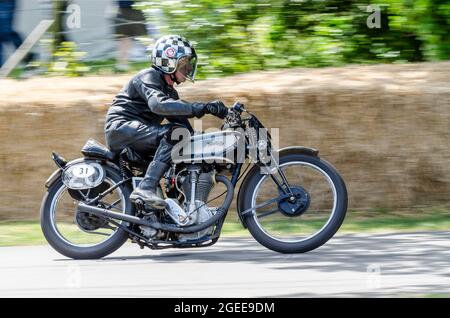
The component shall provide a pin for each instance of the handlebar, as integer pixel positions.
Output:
(233, 118)
(237, 107)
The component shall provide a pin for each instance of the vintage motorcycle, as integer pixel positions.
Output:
(291, 200)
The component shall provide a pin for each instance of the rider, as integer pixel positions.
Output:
(135, 116)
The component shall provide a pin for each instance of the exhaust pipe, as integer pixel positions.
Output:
(104, 213)
(221, 211)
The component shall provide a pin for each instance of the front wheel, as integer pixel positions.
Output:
(302, 224)
(81, 235)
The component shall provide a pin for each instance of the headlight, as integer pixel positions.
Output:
(83, 175)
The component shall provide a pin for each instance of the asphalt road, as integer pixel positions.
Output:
(399, 265)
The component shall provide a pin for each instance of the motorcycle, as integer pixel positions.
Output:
(290, 199)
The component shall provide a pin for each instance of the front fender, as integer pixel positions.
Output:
(298, 150)
(255, 171)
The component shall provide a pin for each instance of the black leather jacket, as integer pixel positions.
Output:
(149, 99)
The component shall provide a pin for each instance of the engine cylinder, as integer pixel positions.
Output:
(204, 186)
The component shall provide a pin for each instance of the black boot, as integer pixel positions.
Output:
(146, 191)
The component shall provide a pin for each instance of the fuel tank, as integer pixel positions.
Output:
(226, 146)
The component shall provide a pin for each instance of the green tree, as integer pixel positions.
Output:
(239, 36)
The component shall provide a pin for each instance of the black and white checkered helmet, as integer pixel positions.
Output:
(167, 52)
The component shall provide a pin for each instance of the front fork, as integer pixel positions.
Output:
(282, 185)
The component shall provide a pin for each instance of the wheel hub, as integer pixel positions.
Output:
(297, 205)
(88, 222)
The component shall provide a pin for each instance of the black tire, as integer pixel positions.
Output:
(115, 241)
(311, 243)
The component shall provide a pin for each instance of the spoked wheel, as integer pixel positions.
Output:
(308, 217)
(81, 235)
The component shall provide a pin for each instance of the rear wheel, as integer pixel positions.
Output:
(80, 235)
(307, 222)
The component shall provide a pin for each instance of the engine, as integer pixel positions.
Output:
(195, 188)
(203, 187)
(197, 210)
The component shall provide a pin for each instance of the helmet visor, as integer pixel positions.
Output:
(187, 65)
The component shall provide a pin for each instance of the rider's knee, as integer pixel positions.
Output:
(173, 132)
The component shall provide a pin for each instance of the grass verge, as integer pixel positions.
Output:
(28, 232)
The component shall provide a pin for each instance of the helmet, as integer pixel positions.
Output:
(169, 50)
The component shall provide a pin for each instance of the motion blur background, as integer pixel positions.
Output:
(365, 82)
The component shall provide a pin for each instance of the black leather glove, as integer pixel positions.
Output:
(199, 109)
(217, 108)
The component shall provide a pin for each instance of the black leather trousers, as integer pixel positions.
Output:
(142, 138)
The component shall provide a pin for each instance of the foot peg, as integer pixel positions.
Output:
(149, 198)
(140, 205)
(144, 208)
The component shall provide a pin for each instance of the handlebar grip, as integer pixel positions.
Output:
(238, 107)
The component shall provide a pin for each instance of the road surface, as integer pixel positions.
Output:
(376, 265)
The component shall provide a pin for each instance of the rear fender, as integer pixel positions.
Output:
(53, 177)
(57, 173)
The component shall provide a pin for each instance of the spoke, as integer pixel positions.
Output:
(301, 179)
(318, 192)
(281, 197)
(307, 224)
(312, 185)
(107, 226)
(85, 196)
(267, 213)
(100, 233)
(78, 236)
(107, 191)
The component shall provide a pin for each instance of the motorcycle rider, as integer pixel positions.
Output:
(135, 116)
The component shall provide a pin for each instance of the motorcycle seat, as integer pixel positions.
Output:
(93, 148)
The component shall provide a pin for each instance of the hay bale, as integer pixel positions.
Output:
(385, 127)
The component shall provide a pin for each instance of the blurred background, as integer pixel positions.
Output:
(365, 82)
(233, 36)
